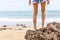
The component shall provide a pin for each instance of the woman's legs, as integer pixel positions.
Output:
(35, 6)
(43, 4)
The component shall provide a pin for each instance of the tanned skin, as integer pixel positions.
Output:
(35, 8)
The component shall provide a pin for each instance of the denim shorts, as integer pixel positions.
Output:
(38, 1)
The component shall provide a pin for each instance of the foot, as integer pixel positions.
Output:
(42, 27)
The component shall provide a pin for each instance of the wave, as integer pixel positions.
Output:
(28, 19)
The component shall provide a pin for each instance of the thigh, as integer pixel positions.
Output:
(35, 7)
(43, 5)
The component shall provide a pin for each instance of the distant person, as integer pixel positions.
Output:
(35, 7)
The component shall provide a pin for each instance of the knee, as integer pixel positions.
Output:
(35, 14)
(43, 10)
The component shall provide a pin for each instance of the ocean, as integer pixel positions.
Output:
(26, 17)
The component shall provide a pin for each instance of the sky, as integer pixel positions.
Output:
(22, 5)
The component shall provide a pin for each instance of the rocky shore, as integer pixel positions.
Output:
(50, 32)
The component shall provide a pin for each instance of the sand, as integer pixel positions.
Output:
(15, 33)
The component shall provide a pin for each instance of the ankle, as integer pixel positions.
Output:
(35, 29)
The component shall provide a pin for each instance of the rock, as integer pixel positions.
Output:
(54, 26)
(23, 25)
(50, 32)
(32, 34)
(18, 25)
(20, 29)
(5, 26)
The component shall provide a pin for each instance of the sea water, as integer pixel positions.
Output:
(26, 17)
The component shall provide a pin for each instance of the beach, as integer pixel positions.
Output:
(9, 30)
(16, 33)
(23, 32)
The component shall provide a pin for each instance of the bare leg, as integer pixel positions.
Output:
(43, 4)
(35, 6)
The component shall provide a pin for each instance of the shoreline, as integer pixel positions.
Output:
(29, 22)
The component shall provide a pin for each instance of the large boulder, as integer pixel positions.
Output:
(50, 32)
(55, 26)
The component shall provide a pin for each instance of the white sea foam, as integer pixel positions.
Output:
(29, 19)
(13, 19)
(26, 20)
